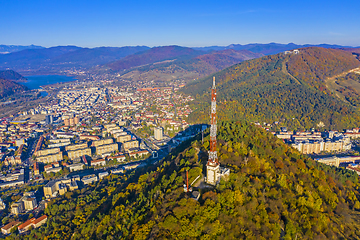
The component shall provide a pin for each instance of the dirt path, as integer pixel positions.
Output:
(356, 70)
(285, 71)
(330, 83)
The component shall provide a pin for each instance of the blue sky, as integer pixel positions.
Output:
(186, 23)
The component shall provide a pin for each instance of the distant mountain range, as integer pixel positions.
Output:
(4, 49)
(58, 59)
(62, 59)
(268, 48)
(298, 90)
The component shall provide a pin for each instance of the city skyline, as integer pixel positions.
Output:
(186, 23)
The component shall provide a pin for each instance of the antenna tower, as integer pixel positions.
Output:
(213, 166)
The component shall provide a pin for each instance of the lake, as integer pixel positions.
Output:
(34, 82)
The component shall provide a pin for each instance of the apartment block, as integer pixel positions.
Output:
(109, 148)
(102, 142)
(123, 138)
(78, 153)
(317, 147)
(50, 158)
(89, 179)
(61, 186)
(98, 162)
(30, 203)
(130, 144)
(76, 147)
(17, 207)
(158, 133)
(47, 152)
(76, 167)
(139, 154)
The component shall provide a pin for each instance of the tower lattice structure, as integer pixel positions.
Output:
(213, 170)
(213, 158)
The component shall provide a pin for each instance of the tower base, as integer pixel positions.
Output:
(212, 174)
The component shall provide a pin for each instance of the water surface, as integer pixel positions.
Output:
(34, 82)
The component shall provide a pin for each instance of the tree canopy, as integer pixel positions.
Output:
(289, 89)
(273, 191)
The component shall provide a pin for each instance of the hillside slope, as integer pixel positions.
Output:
(8, 87)
(153, 55)
(273, 192)
(196, 67)
(289, 89)
(315, 64)
(352, 50)
(12, 75)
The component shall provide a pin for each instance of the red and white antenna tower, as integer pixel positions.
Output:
(213, 158)
(213, 166)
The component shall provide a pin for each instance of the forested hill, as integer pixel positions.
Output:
(314, 65)
(273, 192)
(153, 55)
(12, 75)
(8, 87)
(186, 69)
(287, 88)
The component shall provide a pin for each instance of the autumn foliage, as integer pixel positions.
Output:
(273, 192)
(288, 89)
